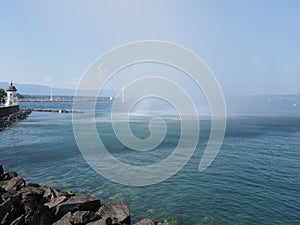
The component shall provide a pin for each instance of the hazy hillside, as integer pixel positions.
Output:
(34, 89)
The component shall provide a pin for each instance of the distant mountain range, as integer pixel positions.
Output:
(35, 89)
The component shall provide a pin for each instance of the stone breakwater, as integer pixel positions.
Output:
(22, 204)
(7, 120)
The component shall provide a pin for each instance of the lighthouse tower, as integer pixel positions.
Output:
(12, 98)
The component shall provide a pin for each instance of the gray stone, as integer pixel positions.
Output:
(10, 194)
(55, 202)
(16, 183)
(84, 217)
(116, 212)
(97, 222)
(3, 183)
(65, 220)
(48, 194)
(58, 193)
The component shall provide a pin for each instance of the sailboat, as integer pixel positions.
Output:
(51, 99)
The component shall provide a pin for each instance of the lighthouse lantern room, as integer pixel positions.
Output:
(12, 98)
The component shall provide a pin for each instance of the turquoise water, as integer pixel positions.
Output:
(255, 178)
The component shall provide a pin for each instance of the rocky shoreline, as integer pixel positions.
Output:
(6, 121)
(22, 204)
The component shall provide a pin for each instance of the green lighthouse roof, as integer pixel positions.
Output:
(11, 87)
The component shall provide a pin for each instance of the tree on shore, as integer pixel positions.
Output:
(2, 93)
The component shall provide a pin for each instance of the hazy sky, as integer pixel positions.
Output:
(253, 47)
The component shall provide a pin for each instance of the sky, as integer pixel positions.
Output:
(253, 47)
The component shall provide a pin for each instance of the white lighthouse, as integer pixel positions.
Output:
(12, 98)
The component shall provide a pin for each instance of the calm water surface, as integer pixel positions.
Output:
(255, 179)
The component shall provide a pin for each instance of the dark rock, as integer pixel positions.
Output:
(10, 194)
(3, 183)
(48, 194)
(12, 116)
(9, 175)
(32, 197)
(58, 193)
(19, 221)
(65, 220)
(80, 202)
(10, 210)
(40, 215)
(84, 217)
(16, 183)
(33, 185)
(145, 222)
(2, 191)
(117, 212)
(1, 172)
(78, 217)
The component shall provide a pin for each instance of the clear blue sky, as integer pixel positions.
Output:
(253, 47)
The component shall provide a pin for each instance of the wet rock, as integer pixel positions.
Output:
(9, 117)
(33, 185)
(115, 212)
(80, 202)
(31, 204)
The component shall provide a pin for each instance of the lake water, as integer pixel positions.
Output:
(255, 178)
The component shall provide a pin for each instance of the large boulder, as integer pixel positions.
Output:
(54, 202)
(80, 202)
(114, 213)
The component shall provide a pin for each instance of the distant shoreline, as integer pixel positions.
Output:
(63, 100)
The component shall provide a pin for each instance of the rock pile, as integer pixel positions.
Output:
(6, 121)
(22, 204)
